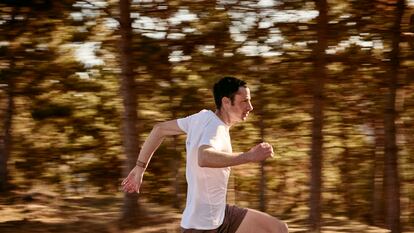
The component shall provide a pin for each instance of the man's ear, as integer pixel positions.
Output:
(225, 101)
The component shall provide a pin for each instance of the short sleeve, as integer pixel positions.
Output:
(195, 119)
(208, 137)
(212, 135)
(184, 123)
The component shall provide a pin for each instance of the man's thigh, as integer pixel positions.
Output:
(256, 221)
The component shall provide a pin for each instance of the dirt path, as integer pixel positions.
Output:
(45, 213)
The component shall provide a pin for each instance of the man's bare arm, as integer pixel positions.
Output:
(209, 157)
(155, 138)
(133, 181)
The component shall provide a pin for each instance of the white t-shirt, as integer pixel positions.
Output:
(207, 187)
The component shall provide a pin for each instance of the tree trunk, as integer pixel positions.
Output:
(176, 168)
(317, 122)
(6, 135)
(260, 113)
(378, 211)
(175, 163)
(130, 209)
(261, 103)
(344, 166)
(392, 182)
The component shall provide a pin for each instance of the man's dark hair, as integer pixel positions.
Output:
(226, 87)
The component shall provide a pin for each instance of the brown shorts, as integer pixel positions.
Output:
(232, 220)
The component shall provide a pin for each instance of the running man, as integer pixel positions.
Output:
(209, 158)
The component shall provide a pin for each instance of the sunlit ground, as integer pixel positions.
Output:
(42, 211)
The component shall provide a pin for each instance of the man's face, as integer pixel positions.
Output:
(241, 106)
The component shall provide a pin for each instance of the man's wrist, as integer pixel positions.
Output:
(246, 157)
(141, 164)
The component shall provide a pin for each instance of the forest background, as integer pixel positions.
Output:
(83, 82)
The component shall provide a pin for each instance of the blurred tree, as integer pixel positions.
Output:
(6, 135)
(59, 97)
(392, 181)
(67, 105)
(319, 78)
(129, 115)
(20, 53)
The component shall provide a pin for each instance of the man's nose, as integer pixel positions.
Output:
(250, 107)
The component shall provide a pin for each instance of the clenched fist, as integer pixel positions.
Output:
(260, 152)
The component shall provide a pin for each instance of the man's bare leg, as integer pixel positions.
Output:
(256, 221)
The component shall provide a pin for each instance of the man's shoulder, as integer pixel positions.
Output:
(202, 118)
(198, 117)
(203, 113)
(206, 112)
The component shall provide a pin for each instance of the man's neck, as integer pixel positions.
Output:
(224, 116)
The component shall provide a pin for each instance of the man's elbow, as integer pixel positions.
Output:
(202, 158)
(158, 129)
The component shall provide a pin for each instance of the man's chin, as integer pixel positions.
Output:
(242, 118)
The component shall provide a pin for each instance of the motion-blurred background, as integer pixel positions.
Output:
(83, 82)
